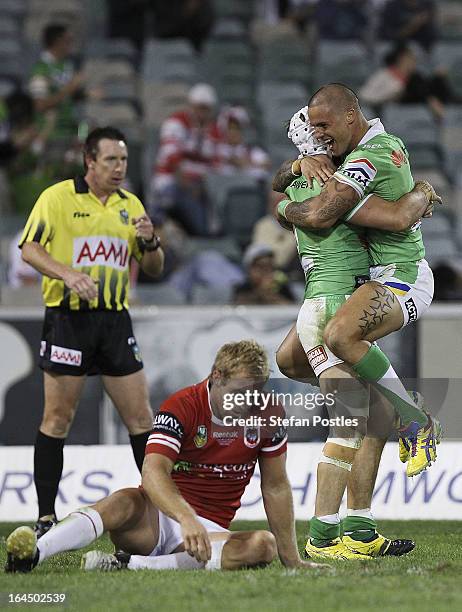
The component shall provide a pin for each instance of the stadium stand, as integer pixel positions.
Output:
(270, 69)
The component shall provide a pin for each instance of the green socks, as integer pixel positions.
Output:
(375, 367)
(320, 532)
(359, 528)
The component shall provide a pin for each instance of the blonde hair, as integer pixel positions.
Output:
(246, 355)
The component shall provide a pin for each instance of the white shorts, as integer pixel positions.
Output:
(170, 536)
(312, 319)
(414, 298)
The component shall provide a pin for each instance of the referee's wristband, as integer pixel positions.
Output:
(149, 245)
(282, 208)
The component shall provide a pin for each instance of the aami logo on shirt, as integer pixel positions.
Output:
(362, 171)
(100, 251)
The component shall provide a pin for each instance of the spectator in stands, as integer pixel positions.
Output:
(264, 284)
(233, 155)
(404, 20)
(188, 140)
(21, 140)
(20, 273)
(399, 80)
(191, 19)
(342, 19)
(54, 83)
(267, 231)
(17, 129)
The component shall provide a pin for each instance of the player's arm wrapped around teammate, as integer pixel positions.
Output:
(396, 215)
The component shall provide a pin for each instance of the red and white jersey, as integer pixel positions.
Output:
(257, 161)
(213, 462)
(185, 146)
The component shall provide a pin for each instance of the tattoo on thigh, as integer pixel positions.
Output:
(379, 307)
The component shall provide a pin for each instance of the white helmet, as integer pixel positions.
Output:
(302, 135)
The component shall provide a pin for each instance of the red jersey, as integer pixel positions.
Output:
(213, 462)
(185, 145)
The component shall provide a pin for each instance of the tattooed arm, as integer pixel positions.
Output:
(283, 177)
(325, 209)
(399, 215)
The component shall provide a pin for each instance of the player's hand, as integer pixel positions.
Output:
(432, 197)
(319, 167)
(300, 564)
(144, 227)
(196, 539)
(311, 565)
(81, 283)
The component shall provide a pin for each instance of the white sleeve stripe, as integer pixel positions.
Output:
(354, 210)
(343, 179)
(158, 436)
(165, 443)
(268, 449)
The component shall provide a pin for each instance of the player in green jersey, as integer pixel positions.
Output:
(366, 171)
(335, 261)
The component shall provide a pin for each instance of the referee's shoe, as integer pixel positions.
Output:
(44, 524)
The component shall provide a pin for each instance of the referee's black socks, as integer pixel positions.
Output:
(48, 468)
(138, 442)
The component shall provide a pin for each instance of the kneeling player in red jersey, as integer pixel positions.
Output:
(194, 475)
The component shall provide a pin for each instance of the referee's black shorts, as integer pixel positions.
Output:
(89, 342)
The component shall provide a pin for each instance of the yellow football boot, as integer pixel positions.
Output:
(423, 447)
(403, 444)
(335, 550)
(21, 548)
(379, 546)
(404, 450)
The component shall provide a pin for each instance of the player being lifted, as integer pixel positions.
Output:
(194, 475)
(334, 261)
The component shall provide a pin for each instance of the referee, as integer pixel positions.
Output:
(81, 235)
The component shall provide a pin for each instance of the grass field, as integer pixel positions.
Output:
(428, 579)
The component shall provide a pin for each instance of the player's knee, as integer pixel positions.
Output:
(283, 363)
(140, 421)
(120, 507)
(337, 336)
(57, 423)
(264, 546)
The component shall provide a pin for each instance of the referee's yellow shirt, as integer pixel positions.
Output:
(79, 231)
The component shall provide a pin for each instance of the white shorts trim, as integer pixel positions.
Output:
(414, 298)
(170, 536)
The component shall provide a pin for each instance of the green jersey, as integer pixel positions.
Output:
(380, 165)
(48, 76)
(335, 260)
